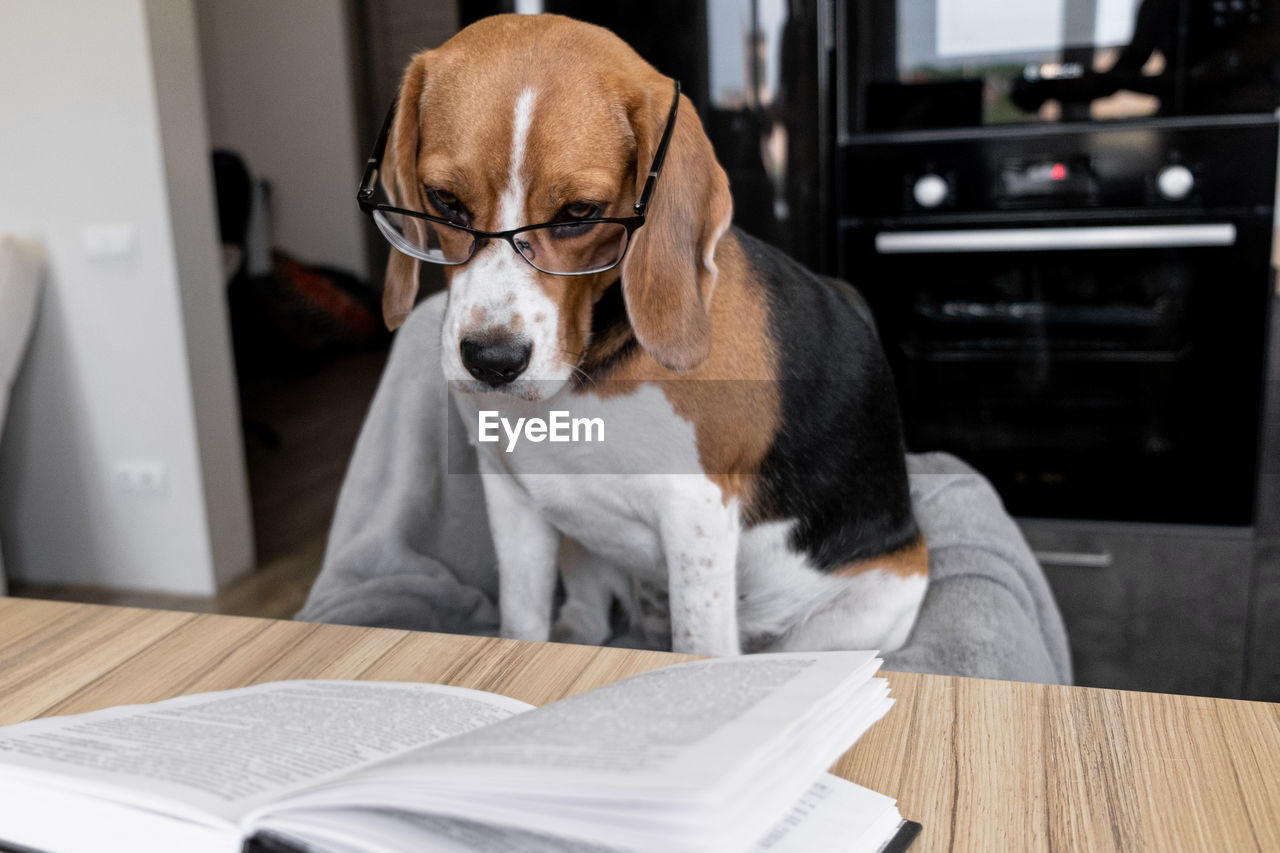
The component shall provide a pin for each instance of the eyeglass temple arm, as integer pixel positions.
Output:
(375, 157)
(659, 156)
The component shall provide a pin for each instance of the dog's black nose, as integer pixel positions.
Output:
(495, 362)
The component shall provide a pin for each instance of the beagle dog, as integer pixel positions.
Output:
(752, 477)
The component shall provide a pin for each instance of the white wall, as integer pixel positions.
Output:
(278, 77)
(130, 361)
(193, 214)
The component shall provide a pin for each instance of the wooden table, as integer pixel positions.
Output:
(984, 765)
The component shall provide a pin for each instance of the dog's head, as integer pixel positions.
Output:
(521, 120)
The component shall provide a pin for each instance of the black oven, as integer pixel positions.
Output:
(1062, 215)
(1080, 311)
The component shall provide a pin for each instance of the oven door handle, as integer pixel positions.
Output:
(1075, 559)
(1056, 239)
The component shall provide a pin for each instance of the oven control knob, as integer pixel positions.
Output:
(1175, 182)
(930, 190)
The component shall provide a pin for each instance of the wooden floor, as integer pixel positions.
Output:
(298, 438)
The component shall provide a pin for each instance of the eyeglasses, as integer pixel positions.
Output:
(566, 246)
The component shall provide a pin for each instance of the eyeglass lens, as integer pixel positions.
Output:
(428, 241)
(564, 248)
(571, 248)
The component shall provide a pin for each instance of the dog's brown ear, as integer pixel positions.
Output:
(399, 180)
(669, 272)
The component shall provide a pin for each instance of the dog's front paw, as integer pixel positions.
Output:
(533, 630)
(580, 624)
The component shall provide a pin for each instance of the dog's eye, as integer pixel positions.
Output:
(579, 210)
(449, 207)
(569, 216)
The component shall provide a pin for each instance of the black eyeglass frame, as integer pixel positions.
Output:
(368, 188)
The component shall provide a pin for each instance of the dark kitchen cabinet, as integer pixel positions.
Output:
(1159, 608)
(1262, 660)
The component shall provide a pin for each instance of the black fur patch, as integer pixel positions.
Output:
(838, 463)
(612, 341)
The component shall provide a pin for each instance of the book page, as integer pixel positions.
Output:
(35, 817)
(224, 753)
(643, 725)
(681, 756)
(834, 814)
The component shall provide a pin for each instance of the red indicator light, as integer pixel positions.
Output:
(1058, 172)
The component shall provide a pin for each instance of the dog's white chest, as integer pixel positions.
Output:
(608, 483)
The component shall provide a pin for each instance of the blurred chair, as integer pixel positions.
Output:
(22, 265)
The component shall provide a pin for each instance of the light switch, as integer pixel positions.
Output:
(141, 476)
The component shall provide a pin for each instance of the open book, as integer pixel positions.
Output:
(724, 754)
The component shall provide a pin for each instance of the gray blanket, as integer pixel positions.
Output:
(410, 546)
